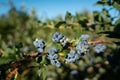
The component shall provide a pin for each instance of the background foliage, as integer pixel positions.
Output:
(18, 30)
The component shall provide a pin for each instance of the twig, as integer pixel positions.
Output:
(35, 54)
(11, 73)
(70, 47)
(100, 42)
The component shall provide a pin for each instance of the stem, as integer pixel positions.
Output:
(99, 42)
(35, 54)
(14, 71)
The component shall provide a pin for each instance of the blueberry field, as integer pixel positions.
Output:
(84, 46)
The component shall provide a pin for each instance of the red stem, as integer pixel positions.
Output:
(11, 73)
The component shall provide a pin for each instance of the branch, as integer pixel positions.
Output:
(14, 71)
(100, 42)
(35, 54)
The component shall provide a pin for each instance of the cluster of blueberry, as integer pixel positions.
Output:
(80, 49)
(99, 48)
(72, 56)
(39, 44)
(59, 38)
(53, 57)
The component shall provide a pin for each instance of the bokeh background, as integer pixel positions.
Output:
(22, 21)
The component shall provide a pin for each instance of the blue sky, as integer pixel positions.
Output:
(52, 8)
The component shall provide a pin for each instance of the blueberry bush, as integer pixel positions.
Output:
(84, 46)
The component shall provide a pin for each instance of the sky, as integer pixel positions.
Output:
(52, 8)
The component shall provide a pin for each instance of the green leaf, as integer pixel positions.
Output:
(4, 46)
(39, 59)
(79, 31)
(5, 60)
(18, 50)
(47, 61)
(116, 5)
(20, 45)
(59, 24)
(103, 3)
(62, 53)
(43, 72)
(60, 47)
(7, 51)
(105, 12)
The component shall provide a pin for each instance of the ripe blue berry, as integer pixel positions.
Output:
(72, 56)
(55, 62)
(82, 47)
(39, 44)
(53, 56)
(85, 36)
(59, 38)
(99, 48)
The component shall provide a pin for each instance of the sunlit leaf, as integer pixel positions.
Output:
(39, 59)
(5, 61)
(116, 6)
